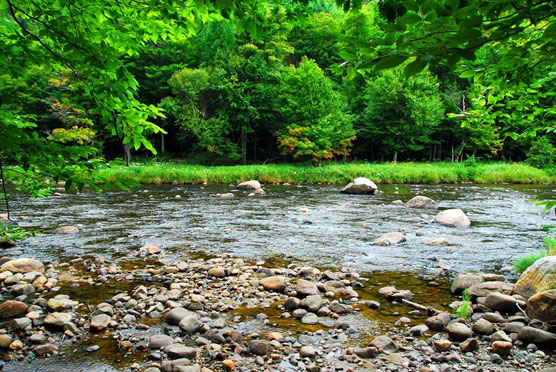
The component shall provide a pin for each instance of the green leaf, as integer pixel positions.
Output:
(390, 61)
(414, 67)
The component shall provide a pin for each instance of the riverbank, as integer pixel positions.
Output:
(334, 173)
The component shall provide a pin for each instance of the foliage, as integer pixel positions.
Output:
(542, 153)
(521, 264)
(316, 126)
(401, 113)
(14, 233)
(464, 310)
(330, 173)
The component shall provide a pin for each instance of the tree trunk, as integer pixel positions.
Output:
(395, 159)
(127, 154)
(162, 147)
(243, 145)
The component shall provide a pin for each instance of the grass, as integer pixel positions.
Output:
(522, 263)
(333, 173)
(464, 310)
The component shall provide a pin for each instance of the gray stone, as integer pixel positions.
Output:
(503, 303)
(259, 347)
(384, 344)
(421, 202)
(190, 324)
(306, 288)
(160, 341)
(100, 322)
(273, 283)
(249, 185)
(175, 315)
(310, 318)
(307, 352)
(176, 351)
(539, 277)
(367, 353)
(483, 327)
(391, 238)
(22, 265)
(464, 281)
(537, 336)
(312, 303)
(458, 331)
(542, 306)
(58, 320)
(486, 288)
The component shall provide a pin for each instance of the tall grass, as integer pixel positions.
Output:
(333, 173)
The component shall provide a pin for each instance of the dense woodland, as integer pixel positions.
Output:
(276, 87)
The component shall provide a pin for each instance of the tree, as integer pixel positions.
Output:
(315, 125)
(401, 114)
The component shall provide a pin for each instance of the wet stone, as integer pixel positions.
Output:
(259, 347)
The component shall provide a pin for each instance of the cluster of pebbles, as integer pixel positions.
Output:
(225, 314)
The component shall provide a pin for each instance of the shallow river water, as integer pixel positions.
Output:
(315, 225)
(304, 223)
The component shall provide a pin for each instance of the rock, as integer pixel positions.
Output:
(391, 238)
(367, 353)
(418, 330)
(45, 350)
(438, 322)
(273, 283)
(228, 365)
(58, 320)
(500, 336)
(306, 288)
(494, 317)
(542, 306)
(12, 309)
(503, 303)
(421, 202)
(249, 185)
(384, 344)
(259, 347)
(339, 308)
(360, 185)
(464, 281)
(442, 344)
(537, 336)
(176, 351)
(175, 315)
(191, 368)
(58, 304)
(452, 218)
(22, 265)
(485, 288)
(539, 277)
(66, 230)
(483, 327)
(469, 345)
(227, 195)
(310, 318)
(160, 341)
(217, 272)
(372, 304)
(437, 241)
(307, 352)
(5, 341)
(312, 303)
(100, 322)
(292, 303)
(458, 331)
(190, 324)
(502, 348)
(150, 249)
(22, 323)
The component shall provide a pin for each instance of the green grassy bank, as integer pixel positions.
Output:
(334, 173)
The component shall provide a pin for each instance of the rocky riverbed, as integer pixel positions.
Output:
(223, 313)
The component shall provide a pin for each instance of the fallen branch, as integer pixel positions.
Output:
(428, 310)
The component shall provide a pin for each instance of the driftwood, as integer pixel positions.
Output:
(429, 310)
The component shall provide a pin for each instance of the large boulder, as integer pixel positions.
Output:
(421, 202)
(537, 336)
(452, 218)
(539, 277)
(22, 265)
(249, 185)
(391, 238)
(503, 303)
(542, 306)
(360, 185)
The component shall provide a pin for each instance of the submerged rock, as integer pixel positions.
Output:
(66, 230)
(452, 218)
(360, 185)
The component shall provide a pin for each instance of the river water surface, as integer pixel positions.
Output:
(304, 223)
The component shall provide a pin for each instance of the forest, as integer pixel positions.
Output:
(274, 82)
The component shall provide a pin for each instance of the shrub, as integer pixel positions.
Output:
(541, 154)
